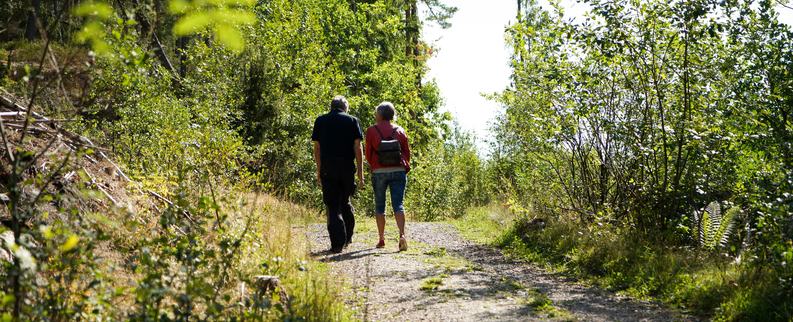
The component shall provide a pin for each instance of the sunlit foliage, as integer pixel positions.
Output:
(644, 112)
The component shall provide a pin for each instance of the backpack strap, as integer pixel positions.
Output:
(378, 132)
(393, 133)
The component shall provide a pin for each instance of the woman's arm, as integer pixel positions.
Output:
(369, 147)
(406, 150)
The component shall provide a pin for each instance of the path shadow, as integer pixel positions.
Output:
(320, 253)
(591, 303)
(586, 302)
(328, 256)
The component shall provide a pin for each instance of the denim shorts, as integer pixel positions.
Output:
(397, 182)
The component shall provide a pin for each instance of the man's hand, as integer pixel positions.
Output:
(318, 161)
(359, 160)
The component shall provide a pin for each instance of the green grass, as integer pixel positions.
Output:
(314, 293)
(440, 259)
(433, 283)
(484, 225)
(702, 283)
(436, 252)
(537, 300)
(30, 52)
(541, 304)
(512, 284)
(282, 252)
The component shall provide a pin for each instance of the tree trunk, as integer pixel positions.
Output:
(31, 30)
(410, 26)
(412, 29)
(520, 9)
(146, 29)
(181, 49)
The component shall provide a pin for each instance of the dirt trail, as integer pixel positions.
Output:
(444, 277)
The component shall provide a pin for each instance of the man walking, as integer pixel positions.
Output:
(337, 142)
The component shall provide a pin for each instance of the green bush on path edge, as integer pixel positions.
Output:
(703, 284)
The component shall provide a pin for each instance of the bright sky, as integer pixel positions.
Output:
(472, 58)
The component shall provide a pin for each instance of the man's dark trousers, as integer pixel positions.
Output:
(338, 185)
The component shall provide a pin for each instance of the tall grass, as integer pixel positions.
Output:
(196, 259)
(280, 248)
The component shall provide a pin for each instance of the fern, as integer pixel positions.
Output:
(713, 226)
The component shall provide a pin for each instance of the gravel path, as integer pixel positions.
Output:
(444, 277)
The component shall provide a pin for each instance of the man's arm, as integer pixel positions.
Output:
(318, 161)
(315, 136)
(359, 160)
(368, 150)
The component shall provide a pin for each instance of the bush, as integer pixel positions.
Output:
(448, 180)
(705, 283)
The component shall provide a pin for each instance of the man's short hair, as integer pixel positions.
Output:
(387, 111)
(339, 103)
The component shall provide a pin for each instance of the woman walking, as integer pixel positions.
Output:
(388, 153)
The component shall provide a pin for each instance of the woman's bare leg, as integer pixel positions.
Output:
(400, 221)
(381, 226)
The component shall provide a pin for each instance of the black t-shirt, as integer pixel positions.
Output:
(336, 133)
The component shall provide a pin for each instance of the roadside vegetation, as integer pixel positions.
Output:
(646, 148)
(156, 155)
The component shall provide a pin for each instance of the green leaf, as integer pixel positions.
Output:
(230, 37)
(70, 243)
(6, 299)
(192, 23)
(90, 8)
(93, 33)
(178, 6)
(234, 17)
(46, 231)
(223, 17)
(231, 3)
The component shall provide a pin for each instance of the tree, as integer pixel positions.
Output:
(34, 13)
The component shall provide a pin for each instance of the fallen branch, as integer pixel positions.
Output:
(170, 203)
(158, 196)
(96, 184)
(11, 114)
(37, 121)
(103, 155)
(9, 103)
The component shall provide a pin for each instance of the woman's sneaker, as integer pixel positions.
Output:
(403, 244)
